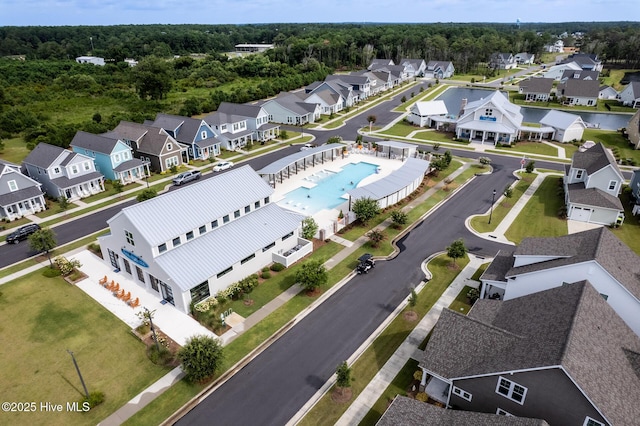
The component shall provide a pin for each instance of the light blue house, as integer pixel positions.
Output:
(111, 156)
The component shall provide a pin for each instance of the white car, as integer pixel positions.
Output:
(223, 165)
(307, 146)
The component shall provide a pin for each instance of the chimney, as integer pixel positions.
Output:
(463, 105)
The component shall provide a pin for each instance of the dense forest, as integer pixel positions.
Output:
(48, 96)
(335, 45)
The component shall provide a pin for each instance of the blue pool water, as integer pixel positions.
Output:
(329, 188)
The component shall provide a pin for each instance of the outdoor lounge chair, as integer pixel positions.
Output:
(126, 297)
(103, 280)
(119, 294)
(134, 303)
(116, 288)
(111, 285)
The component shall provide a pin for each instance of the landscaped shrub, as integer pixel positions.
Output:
(66, 266)
(422, 396)
(51, 272)
(95, 398)
(277, 267)
(266, 275)
(265, 269)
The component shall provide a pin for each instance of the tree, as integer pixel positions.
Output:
(334, 139)
(147, 194)
(312, 274)
(43, 240)
(63, 202)
(372, 119)
(375, 236)
(403, 99)
(399, 218)
(153, 78)
(530, 166)
(309, 228)
(201, 357)
(118, 187)
(284, 135)
(343, 375)
(484, 161)
(365, 209)
(456, 250)
(413, 298)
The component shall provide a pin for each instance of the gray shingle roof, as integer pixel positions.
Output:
(20, 195)
(579, 88)
(293, 103)
(571, 326)
(594, 159)
(44, 154)
(501, 264)
(104, 144)
(578, 194)
(405, 411)
(64, 182)
(537, 85)
(580, 74)
(129, 165)
(598, 244)
(187, 127)
(130, 131)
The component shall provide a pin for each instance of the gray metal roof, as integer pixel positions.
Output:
(197, 260)
(560, 119)
(405, 411)
(283, 163)
(571, 326)
(167, 216)
(412, 169)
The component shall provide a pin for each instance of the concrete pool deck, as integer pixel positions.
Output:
(326, 217)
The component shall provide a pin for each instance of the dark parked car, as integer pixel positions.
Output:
(22, 233)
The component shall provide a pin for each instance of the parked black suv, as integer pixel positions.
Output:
(22, 233)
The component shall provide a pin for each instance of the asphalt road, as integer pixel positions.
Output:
(275, 385)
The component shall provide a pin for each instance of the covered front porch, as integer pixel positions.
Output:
(268, 131)
(207, 148)
(132, 171)
(21, 203)
(82, 190)
(238, 140)
(436, 387)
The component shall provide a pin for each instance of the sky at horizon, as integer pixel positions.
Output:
(213, 12)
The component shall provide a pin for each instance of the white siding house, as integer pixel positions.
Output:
(630, 95)
(567, 127)
(187, 245)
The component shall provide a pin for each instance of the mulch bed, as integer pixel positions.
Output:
(313, 293)
(341, 395)
(410, 316)
(173, 346)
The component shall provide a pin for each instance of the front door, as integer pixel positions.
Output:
(167, 293)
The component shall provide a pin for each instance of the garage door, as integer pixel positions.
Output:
(580, 214)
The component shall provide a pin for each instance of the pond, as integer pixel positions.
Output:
(607, 121)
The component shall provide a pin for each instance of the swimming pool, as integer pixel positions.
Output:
(328, 190)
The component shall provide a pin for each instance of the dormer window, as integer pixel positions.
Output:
(579, 174)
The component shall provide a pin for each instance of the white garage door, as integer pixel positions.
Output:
(580, 214)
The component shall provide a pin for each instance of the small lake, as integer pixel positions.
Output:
(453, 99)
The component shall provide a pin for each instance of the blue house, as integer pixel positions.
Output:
(195, 134)
(111, 156)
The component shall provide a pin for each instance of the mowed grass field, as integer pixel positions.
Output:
(40, 319)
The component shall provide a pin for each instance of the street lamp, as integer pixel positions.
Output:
(493, 199)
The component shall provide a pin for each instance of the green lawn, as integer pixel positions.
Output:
(48, 317)
(460, 304)
(615, 141)
(629, 232)
(478, 273)
(15, 150)
(365, 368)
(481, 223)
(532, 148)
(539, 218)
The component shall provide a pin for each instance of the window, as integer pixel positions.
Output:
(56, 170)
(116, 158)
(488, 112)
(129, 236)
(202, 230)
(256, 205)
(223, 127)
(462, 394)
(591, 422)
(140, 274)
(125, 155)
(225, 218)
(87, 166)
(176, 241)
(13, 186)
(226, 271)
(501, 412)
(169, 146)
(511, 390)
(200, 292)
(579, 174)
(248, 258)
(266, 200)
(247, 209)
(612, 185)
(268, 247)
(290, 234)
(214, 224)
(172, 161)
(203, 135)
(162, 248)
(236, 214)
(74, 169)
(189, 235)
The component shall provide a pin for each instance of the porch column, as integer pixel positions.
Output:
(423, 381)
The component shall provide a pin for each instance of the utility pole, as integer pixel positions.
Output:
(86, 392)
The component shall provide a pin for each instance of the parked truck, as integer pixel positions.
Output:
(186, 177)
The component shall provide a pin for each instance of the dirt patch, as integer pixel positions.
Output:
(453, 267)
(410, 316)
(341, 395)
(318, 243)
(313, 293)
(506, 205)
(248, 302)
